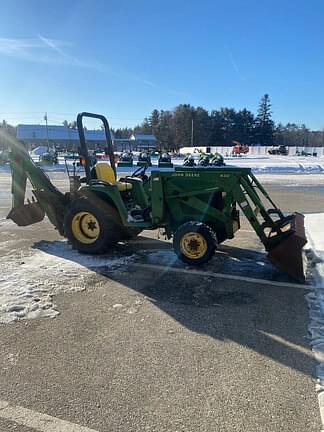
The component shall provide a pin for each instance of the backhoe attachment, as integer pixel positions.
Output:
(27, 214)
(49, 200)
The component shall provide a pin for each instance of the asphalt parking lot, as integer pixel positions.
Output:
(152, 345)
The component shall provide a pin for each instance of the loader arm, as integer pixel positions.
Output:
(49, 200)
(283, 236)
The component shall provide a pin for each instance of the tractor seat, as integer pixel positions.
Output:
(105, 173)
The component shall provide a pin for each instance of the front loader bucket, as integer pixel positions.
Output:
(287, 255)
(27, 214)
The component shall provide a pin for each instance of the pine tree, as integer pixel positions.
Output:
(183, 116)
(154, 122)
(243, 128)
(228, 116)
(167, 131)
(144, 128)
(216, 136)
(264, 125)
(201, 127)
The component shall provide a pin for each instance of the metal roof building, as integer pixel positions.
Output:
(144, 141)
(143, 137)
(56, 133)
(67, 138)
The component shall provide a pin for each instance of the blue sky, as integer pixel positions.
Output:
(125, 58)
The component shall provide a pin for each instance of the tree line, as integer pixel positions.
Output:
(187, 126)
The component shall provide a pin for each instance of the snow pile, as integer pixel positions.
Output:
(314, 224)
(280, 164)
(28, 283)
(315, 234)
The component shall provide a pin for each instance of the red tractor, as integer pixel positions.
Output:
(239, 149)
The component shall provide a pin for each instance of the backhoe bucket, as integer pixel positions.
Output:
(27, 214)
(288, 255)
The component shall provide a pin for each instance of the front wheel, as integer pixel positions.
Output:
(194, 243)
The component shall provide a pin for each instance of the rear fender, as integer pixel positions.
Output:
(110, 195)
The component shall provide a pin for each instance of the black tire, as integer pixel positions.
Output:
(105, 215)
(194, 243)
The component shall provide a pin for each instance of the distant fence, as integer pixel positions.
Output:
(254, 150)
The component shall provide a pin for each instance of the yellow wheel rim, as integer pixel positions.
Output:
(85, 227)
(193, 245)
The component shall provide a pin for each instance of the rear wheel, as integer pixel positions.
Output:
(92, 228)
(194, 243)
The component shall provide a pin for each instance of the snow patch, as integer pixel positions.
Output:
(5, 222)
(314, 224)
(28, 284)
(315, 255)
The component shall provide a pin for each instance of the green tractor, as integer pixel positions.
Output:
(189, 160)
(197, 207)
(204, 159)
(126, 160)
(49, 158)
(217, 160)
(165, 161)
(144, 159)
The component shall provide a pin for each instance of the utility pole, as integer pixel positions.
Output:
(192, 131)
(45, 118)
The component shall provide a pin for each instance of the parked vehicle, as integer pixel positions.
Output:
(279, 150)
(305, 153)
(144, 159)
(125, 160)
(217, 160)
(239, 149)
(197, 207)
(165, 161)
(189, 160)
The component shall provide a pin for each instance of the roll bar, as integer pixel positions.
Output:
(83, 145)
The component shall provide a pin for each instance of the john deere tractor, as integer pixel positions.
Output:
(144, 159)
(165, 160)
(126, 160)
(196, 206)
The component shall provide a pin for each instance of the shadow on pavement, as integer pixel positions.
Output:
(270, 320)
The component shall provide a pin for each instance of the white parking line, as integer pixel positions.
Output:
(222, 276)
(38, 421)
